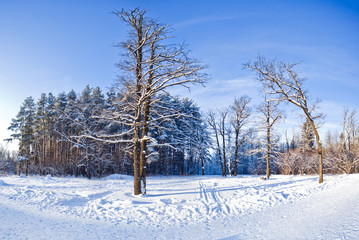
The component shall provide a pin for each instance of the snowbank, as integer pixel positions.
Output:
(2, 183)
(48, 177)
(118, 177)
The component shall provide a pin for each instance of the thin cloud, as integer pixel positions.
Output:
(206, 19)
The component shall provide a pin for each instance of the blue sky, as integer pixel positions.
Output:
(54, 46)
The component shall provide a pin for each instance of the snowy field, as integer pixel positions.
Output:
(196, 207)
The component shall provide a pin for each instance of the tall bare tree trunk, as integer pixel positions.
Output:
(224, 155)
(213, 124)
(268, 142)
(137, 130)
(136, 164)
(146, 113)
(202, 163)
(27, 167)
(222, 131)
(320, 149)
(236, 160)
(137, 151)
(42, 159)
(143, 157)
(268, 153)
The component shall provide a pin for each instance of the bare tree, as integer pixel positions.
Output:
(283, 84)
(150, 65)
(222, 132)
(349, 128)
(240, 113)
(213, 123)
(347, 154)
(270, 115)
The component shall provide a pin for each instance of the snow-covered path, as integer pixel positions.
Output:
(181, 208)
(331, 214)
(23, 224)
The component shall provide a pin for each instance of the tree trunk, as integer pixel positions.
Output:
(320, 153)
(143, 157)
(320, 149)
(268, 154)
(136, 166)
(236, 159)
(268, 142)
(27, 167)
(146, 113)
(19, 169)
(202, 164)
(88, 163)
(137, 143)
(219, 152)
(42, 159)
(235, 167)
(224, 152)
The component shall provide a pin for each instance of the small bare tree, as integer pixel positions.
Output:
(270, 115)
(240, 113)
(219, 129)
(283, 84)
(347, 150)
(349, 128)
(222, 132)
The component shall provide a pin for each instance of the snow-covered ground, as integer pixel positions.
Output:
(196, 207)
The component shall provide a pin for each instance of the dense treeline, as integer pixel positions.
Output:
(53, 136)
(52, 140)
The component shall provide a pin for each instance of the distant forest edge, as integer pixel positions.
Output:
(51, 134)
(139, 128)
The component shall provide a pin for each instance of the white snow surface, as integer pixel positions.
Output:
(194, 207)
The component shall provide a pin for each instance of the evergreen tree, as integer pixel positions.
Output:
(40, 130)
(23, 128)
(308, 137)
